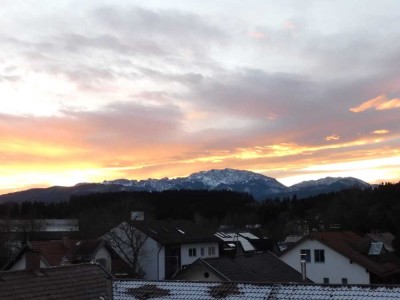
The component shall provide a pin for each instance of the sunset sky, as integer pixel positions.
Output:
(100, 90)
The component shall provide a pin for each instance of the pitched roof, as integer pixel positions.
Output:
(52, 251)
(355, 248)
(260, 267)
(56, 253)
(176, 232)
(83, 281)
(85, 250)
(141, 289)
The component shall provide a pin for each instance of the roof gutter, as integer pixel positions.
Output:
(158, 262)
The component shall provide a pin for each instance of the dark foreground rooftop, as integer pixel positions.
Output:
(78, 282)
(129, 290)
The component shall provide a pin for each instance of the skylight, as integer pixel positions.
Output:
(375, 248)
(180, 231)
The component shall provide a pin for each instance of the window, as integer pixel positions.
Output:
(305, 254)
(202, 251)
(211, 251)
(192, 252)
(319, 256)
(344, 281)
(326, 280)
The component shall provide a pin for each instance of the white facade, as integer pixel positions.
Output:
(152, 260)
(188, 257)
(102, 254)
(336, 268)
(200, 272)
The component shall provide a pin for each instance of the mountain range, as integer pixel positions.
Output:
(258, 185)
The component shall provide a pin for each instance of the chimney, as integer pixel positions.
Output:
(66, 242)
(32, 261)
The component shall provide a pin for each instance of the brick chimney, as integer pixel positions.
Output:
(67, 242)
(32, 261)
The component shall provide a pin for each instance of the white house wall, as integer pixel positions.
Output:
(335, 267)
(187, 260)
(199, 272)
(148, 260)
(103, 253)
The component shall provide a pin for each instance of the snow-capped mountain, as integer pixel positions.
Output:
(258, 185)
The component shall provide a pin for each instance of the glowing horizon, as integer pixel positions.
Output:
(95, 91)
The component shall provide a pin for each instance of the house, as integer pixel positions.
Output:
(66, 251)
(343, 258)
(17, 232)
(258, 267)
(78, 282)
(166, 246)
(164, 290)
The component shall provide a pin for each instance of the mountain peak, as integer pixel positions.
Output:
(215, 177)
(348, 181)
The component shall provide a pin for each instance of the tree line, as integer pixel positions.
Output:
(357, 210)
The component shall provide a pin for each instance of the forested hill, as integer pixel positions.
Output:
(355, 209)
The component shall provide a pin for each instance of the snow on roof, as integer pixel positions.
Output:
(141, 289)
(248, 235)
(233, 237)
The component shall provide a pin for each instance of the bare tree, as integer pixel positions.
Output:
(14, 233)
(128, 242)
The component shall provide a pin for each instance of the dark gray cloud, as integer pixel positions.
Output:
(290, 108)
(169, 25)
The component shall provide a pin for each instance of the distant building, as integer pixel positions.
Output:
(343, 258)
(67, 251)
(40, 225)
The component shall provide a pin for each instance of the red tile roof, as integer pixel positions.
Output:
(52, 251)
(56, 252)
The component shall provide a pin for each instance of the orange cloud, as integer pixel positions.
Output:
(333, 137)
(379, 103)
(380, 131)
(257, 34)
